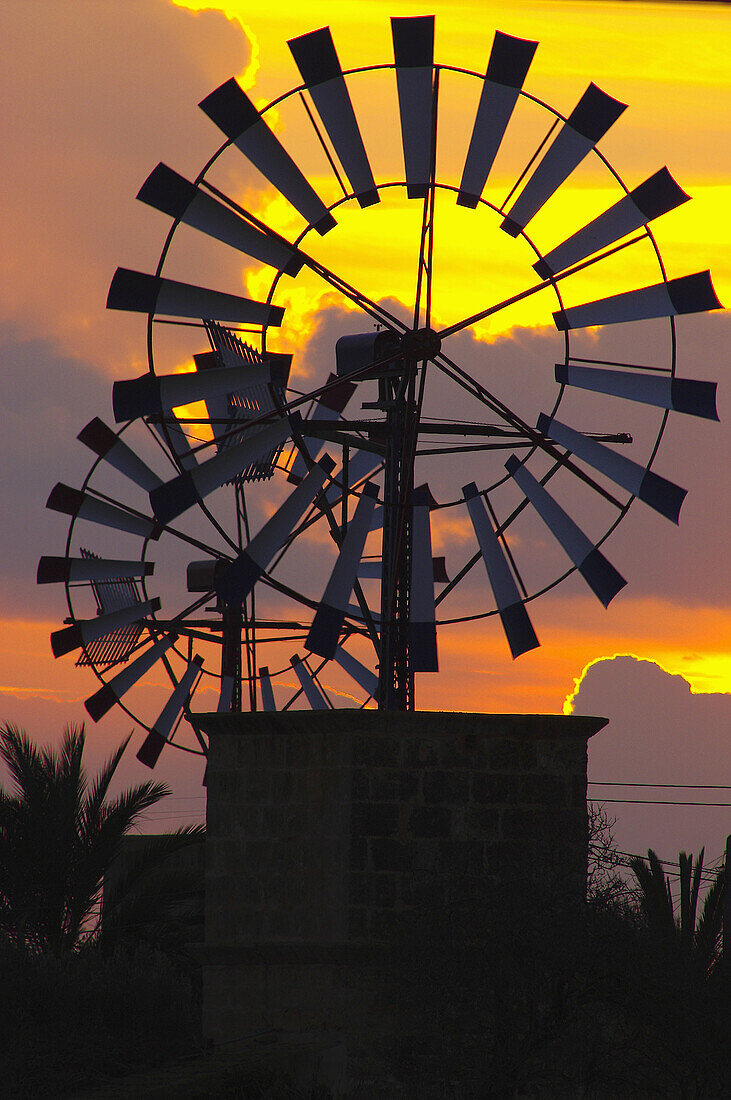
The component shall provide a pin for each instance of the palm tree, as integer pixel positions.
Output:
(59, 834)
(697, 941)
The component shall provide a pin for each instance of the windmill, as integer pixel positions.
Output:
(278, 525)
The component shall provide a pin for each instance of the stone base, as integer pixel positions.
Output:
(376, 881)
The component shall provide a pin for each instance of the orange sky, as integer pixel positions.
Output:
(84, 131)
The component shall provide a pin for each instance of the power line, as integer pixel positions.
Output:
(658, 802)
(683, 786)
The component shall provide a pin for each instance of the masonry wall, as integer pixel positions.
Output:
(356, 860)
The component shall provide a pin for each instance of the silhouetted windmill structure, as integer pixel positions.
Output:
(247, 467)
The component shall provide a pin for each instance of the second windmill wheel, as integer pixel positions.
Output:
(317, 477)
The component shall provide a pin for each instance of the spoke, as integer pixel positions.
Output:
(536, 289)
(378, 312)
(462, 378)
(500, 529)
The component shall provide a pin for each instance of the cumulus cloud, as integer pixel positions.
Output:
(658, 732)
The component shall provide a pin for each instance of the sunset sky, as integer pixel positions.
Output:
(96, 93)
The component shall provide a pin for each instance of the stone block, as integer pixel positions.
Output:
(476, 821)
(376, 749)
(374, 818)
(513, 755)
(428, 821)
(373, 889)
(498, 789)
(545, 790)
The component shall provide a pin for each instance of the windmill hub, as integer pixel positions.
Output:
(421, 343)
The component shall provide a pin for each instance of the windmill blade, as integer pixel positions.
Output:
(173, 194)
(330, 615)
(104, 442)
(513, 615)
(174, 439)
(507, 69)
(413, 51)
(137, 292)
(657, 492)
(55, 570)
(422, 614)
(226, 695)
(363, 676)
(588, 122)
(657, 195)
(176, 496)
(234, 113)
(151, 394)
(684, 395)
(88, 630)
(157, 738)
(601, 576)
(236, 581)
(312, 692)
(75, 503)
(370, 570)
(317, 60)
(103, 700)
(267, 693)
(689, 294)
(328, 406)
(377, 519)
(360, 465)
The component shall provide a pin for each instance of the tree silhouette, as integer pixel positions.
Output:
(694, 940)
(59, 834)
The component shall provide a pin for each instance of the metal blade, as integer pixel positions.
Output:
(182, 492)
(157, 738)
(312, 692)
(413, 49)
(657, 492)
(173, 194)
(601, 576)
(685, 395)
(73, 502)
(317, 60)
(422, 615)
(654, 197)
(588, 122)
(88, 630)
(104, 442)
(236, 581)
(513, 615)
(689, 294)
(150, 394)
(139, 293)
(360, 464)
(358, 671)
(328, 622)
(234, 113)
(55, 570)
(103, 700)
(507, 68)
(226, 695)
(267, 693)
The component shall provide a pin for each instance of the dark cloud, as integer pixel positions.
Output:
(91, 102)
(659, 733)
(46, 399)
